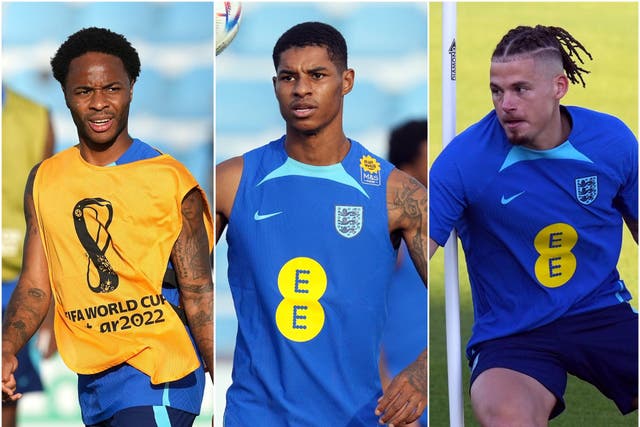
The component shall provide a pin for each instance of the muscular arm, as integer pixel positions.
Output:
(31, 299)
(228, 174)
(406, 397)
(407, 207)
(190, 258)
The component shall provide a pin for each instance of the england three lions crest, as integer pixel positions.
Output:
(348, 220)
(587, 189)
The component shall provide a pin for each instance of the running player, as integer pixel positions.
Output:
(314, 223)
(538, 193)
(104, 218)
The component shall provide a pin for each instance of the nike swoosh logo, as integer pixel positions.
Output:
(259, 217)
(506, 201)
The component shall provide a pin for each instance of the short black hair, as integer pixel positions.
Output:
(95, 39)
(405, 141)
(313, 34)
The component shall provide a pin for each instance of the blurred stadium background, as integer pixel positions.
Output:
(609, 31)
(387, 48)
(171, 110)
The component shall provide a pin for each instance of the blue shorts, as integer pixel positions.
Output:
(600, 347)
(148, 416)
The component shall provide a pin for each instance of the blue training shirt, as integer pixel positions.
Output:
(123, 386)
(541, 230)
(310, 262)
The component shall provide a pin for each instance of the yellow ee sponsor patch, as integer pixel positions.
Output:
(301, 281)
(556, 263)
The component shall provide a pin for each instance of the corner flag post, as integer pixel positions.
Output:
(452, 291)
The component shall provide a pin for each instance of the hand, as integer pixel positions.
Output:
(9, 366)
(405, 398)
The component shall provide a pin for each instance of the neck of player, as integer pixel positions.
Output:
(104, 153)
(558, 132)
(319, 148)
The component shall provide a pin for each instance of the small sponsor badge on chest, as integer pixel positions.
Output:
(369, 170)
(587, 189)
(348, 220)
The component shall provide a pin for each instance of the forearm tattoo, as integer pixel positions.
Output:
(29, 302)
(417, 373)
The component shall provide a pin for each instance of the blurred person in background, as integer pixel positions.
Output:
(27, 139)
(407, 305)
(104, 218)
(314, 222)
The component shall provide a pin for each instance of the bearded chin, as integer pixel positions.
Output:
(515, 139)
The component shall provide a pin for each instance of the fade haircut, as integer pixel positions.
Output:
(313, 34)
(552, 42)
(95, 39)
(405, 141)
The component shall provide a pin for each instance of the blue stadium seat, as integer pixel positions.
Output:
(261, 28)
(38, 85)
(184, 22)
(401, 27)
(243, 106)
(365, 107)
(135, 21)
(151, 92)
(29, 23)
(192, 93)
(411, 103)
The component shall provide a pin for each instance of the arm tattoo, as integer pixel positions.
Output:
(409, 205)
(417, 373)
(30, 300)
(191, 250)
(191, 260)
(24, 315)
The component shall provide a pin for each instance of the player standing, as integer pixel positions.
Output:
(104, 218)
(314, 223)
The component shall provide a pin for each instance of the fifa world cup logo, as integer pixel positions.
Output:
(95, 239)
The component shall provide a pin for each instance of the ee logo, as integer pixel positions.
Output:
(300, 316)
(556, 263)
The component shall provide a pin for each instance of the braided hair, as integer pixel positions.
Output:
(542, 40)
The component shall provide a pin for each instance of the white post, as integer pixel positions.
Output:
(452, 290)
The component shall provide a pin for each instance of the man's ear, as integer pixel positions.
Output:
(348, 78)
(561, 85)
